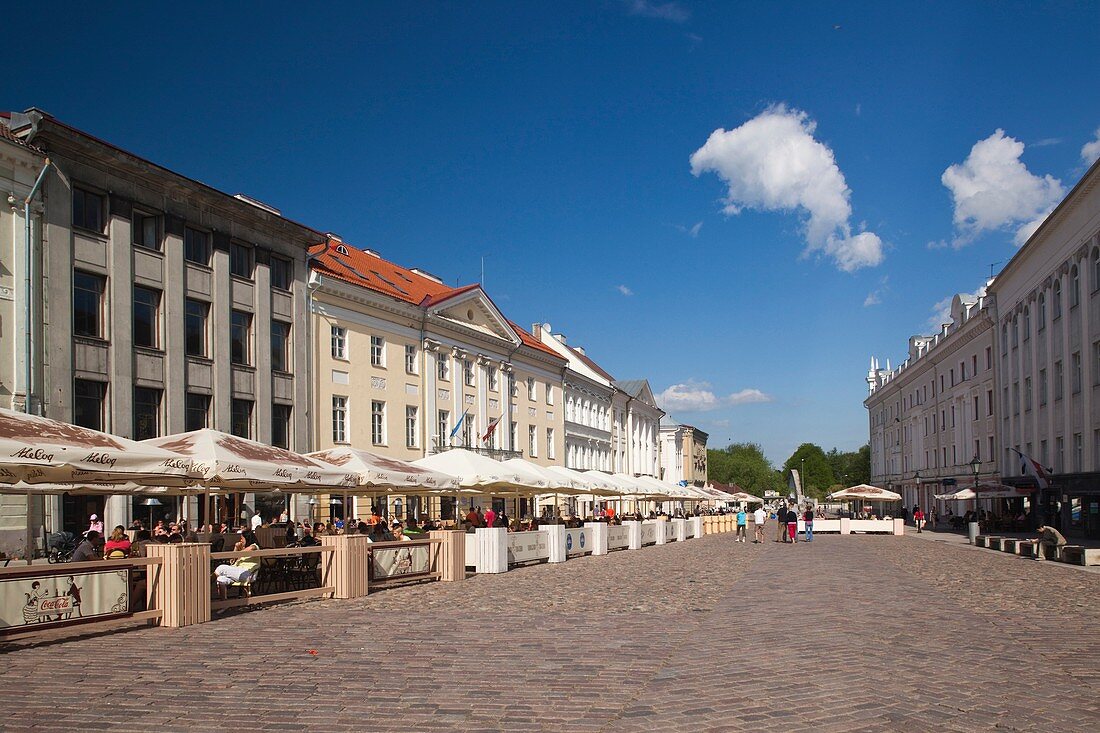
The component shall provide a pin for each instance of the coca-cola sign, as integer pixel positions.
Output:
(57, 597)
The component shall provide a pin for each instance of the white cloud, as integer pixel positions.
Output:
(941, 311)
(773, 163)
(993, 190)
(875, 296)
(670, 11)
(624, 290)
(692, 396)
(694, 231)
(1090, 151)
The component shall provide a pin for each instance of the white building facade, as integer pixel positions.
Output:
(635, 420)
(934, 414)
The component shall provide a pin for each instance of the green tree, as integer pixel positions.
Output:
(819, 476)
(743, 464)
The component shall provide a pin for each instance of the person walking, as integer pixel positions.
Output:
(792, 524)
(781, 523)
(918, 519)
(741, 524)
(759, 517)
(808, 518)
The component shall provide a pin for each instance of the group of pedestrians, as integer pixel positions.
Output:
(786, 524)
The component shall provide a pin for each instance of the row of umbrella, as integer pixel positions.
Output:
(41, 455)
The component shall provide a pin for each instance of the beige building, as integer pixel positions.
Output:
(406, 366)
(683, 453)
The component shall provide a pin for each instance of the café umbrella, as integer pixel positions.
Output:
(479, 473)
(865, 492)
(38, 450)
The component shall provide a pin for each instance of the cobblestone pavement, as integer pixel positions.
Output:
(845, 634)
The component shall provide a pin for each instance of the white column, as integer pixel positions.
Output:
(555, 540)
(492, 550)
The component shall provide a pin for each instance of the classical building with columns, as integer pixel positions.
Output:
(162, 305)
(935, 413)
(1048, 358)
(683, 452)
(406, 366)
(635, 421)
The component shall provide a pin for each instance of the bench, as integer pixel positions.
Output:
(1011, 544)
(984, 540)
(1073, 554)
(996, 543)
(1026, 548)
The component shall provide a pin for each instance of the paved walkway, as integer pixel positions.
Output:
(847, 634)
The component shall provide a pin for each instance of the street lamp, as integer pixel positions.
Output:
(312, 505)
(975, 467)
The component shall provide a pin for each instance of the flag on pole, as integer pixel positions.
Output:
(458, 425)
(1034, 469)
(489, 432)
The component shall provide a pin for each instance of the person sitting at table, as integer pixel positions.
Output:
(118, 546)
(471, 522)
(137, 525)
(308, 540)
(380, 533)
(412, 526)
(501, 520)
(397, 529)
(89, 548)
(226, 575)
(375, 515)
(142, 538)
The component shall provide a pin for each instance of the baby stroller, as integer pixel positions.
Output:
(60, 546)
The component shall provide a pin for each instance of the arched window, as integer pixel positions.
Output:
(1004, 348)
(1015, 331)
(1027, 323)
(1074, 287)
(1056, 299)
(341, 249)
(1095, 269)
(1042, 314)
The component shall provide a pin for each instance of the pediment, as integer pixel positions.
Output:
(474, 310)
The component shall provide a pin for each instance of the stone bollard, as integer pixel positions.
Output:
(451, 560)
(597, 535)
(681, 526)
(180, 586)
(661, 531)
(634, 527)
(347, 568)
(899, 526)
(972, 531)
(492, 550)
(555, 541)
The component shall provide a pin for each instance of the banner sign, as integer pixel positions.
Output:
(388, 563)
(527, 547)
(649, 533)
(42, 600)
(618, 537)
(577, 542)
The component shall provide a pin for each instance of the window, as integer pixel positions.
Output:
(977, 412)
(443, 425)
(550, 443)
(1041, 312)
(991, 453)
(377, 351)
(88, 403)
(1027, 323)
(196, 411)
(1059, 455)
(1015, 331)
(467, 431)
(1015, 398)
(146, 413)
(146, 317)
(532, 441)
(1027, 394)
(240, 260)
(1074, 287)
(951, 373)
(339, 341)
(1056, 299)
(1096, 365)
(493, 385)
(988, 358)
(377, 422)
(1058, 386)
(977, 449)
(339, 419)
(1042, 387)
(240, 338)
(1077, 452)
(513, 390)
(1075, 375)
(280, 346)
(145, 231)
(549, 393)
(410, 426)
(468, 372)
(196, 246)
(240, 419)
(514, 435)
(1095, 270)
(531, 393)
(88, 292)
(443, 367)
(87, 210)
(410, 359)
(194, 327)
(1004, 341)
(281, 272)
(974, 365)
(280, 426)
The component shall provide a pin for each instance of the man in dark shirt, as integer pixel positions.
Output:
(88, 549)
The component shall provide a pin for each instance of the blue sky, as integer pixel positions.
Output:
(557, 139)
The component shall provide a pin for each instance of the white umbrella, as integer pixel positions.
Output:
(745, 497)
(540, 476)
(232, 462)
(986, 491)
(475, 471)
(865, 491)
(386, 474)
(37, 450)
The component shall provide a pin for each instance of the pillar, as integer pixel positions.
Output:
(845, 525)
(696, 526)
(492, 549)
(180, 586)
(661, 523)
(597, 535)
(634, 534)
(451, 557)
(555, 540)
(347, 567)
(681, 529)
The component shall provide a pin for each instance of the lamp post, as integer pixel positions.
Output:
(917, 478)
(975, 467)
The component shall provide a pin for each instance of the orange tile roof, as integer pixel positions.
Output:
(370, 271)
(591, 364)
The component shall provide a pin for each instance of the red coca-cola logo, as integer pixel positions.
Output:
(59, 603)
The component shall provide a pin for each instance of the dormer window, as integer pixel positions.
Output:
(341, 249)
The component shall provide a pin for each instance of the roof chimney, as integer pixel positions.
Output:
(579, 350)
(560, 337)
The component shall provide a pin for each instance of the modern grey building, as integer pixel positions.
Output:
(164, 305)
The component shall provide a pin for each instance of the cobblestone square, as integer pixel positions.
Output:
(852, 633)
